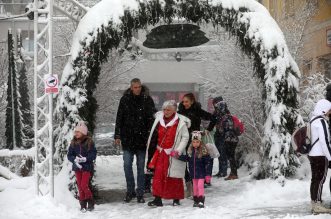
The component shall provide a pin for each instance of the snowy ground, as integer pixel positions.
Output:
(243, 198)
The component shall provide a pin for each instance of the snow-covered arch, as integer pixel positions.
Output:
(258, 35)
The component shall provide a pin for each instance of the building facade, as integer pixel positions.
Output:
(311, 21)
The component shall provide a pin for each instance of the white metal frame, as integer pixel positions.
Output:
(43, 103)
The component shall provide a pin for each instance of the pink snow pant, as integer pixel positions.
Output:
(83, 179)
(198, 187)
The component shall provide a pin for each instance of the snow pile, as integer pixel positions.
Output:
(243, 198)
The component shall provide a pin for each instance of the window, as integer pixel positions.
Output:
(326, 65)
(14, 7)
(27, 40)
(289, 8)
(274, 8)
(307, 66)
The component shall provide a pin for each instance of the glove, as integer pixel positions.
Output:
(78, 165)
(174, 153)
(82, 160)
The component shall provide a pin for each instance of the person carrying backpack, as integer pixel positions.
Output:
(225, 137)
(320, 153)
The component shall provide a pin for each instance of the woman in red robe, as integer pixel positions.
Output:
(171, 131)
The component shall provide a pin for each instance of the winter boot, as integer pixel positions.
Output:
(231, 177)
(219, 175)
(175, 202)
(140, 199)
(90, 204)
(189, 189)
(129, 197)
(83, 206)
(207, 181)
(196, 201)
(318, 208)
(201, 200)
(157, 202)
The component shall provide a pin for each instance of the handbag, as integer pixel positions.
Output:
(211, 147)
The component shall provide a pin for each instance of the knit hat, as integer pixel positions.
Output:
(196, 135)
(81, 127)
(217, 100)
(221, 107)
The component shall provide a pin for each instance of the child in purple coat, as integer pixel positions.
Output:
(198, 158)
(81, 154)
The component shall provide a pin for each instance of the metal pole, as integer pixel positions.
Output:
(50, 97)
(35, 91)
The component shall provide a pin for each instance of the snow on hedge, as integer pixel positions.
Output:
(99, 15)
(279, 71)
(24, 153)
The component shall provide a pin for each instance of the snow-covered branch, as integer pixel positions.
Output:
(25, 153)
(6, 173)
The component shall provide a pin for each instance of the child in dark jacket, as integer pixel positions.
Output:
(198, 158)
(82, 153)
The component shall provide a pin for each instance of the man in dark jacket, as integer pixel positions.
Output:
(133, 123)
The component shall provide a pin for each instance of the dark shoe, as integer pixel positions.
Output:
(83, 205)
(90, 204)
(218, 175)
(175, 202)
(140, 199)
(231, 177)
(208, 184)
(129, 197)
(201, 203)
(195, 199)
(157, 202)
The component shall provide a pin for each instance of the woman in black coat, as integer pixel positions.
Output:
(190, 108)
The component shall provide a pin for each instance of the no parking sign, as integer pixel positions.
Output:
(51, 84)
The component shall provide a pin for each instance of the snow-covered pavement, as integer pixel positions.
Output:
(243, 198)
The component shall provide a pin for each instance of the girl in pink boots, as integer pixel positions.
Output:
(198, 158)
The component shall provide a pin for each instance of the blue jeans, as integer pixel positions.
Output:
(222, 159)
(128, 162)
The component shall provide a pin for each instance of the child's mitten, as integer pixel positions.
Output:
(78, 165)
